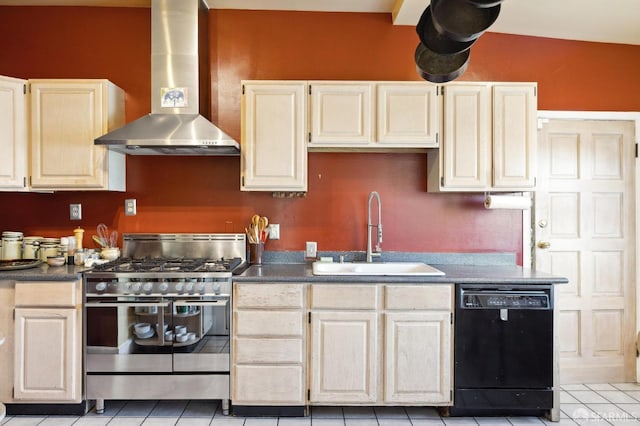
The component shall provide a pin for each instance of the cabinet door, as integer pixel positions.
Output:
(66, 117)
(47, 362)
(341, 113)
(417, 358)
(274, 153)
(6, 340)
(514, 136)
(466, 148)
(407, 114)
(344, 357)
(13, 135)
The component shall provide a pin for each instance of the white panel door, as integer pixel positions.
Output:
(13, 135)
(514, 135)
(466, 149)
(585, 230)
(46, 362)
(408, 114)
(417, 358)
(274, 154)
(341, 113)
(344, 357)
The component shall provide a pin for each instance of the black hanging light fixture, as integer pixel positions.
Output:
(447, 29)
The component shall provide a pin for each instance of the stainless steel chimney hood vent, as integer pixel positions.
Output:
(175, 126)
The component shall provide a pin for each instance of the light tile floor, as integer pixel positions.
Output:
(592, 404)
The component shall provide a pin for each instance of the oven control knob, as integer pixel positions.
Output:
(163, 287)
(201, 288)
(147, 287)
(136, 287)
(100, 287)
(126, 288)
(179, 287)
(189, 287)
(216, 288)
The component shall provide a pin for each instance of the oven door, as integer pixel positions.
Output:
(112, 343)
(208, 350)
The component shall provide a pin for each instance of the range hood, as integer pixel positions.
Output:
(179, 34)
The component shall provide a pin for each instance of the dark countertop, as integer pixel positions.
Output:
(44, 272)
(302, 272)
(458, 274)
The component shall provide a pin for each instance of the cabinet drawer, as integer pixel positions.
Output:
(274, 351)
(425, 297)
(268, 385)
(52, 293)
(344, 296)
(269, 295)
(268, 323)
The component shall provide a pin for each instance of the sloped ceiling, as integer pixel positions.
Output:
(610, 21)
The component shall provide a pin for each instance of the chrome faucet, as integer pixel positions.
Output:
(377, 253)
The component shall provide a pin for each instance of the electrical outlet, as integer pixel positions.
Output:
(75, 211)
(130, 207)
(274, 231)
(311, 251)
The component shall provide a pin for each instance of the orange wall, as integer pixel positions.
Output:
(183, 194)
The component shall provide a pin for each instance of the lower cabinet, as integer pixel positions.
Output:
(6, 339)
(268, 345)
(367, 344)
(45, 363)
(47, 342)
(343, 357)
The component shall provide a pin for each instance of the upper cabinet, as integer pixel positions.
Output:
(373, 115)
(341, 113)
(489, 138)
(13, 135)
(66, 117)
(274, 153)
(484, 134)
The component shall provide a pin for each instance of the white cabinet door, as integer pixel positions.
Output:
(13, 135)
(408, 114)
(514, 135)
(489, 138)
(274, 153)
(417, 358)
(6, 337)
(47, 364)
(66, 117)
(344, 359)
(466, 148)
(341, 113)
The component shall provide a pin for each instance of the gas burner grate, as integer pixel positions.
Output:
(145, 265)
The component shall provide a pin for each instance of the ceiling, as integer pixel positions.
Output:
(610, 21)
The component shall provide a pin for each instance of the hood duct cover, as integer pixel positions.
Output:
(175, 127)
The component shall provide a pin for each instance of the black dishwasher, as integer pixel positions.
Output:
(503, 356)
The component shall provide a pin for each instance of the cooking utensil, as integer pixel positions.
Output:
(113, 239)
(263, 223)
(99, 241)
(460, 20)
(438, 68)
(436, 42)
(103, 234)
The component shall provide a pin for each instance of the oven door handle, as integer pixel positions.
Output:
(120, 304)
(201, 303)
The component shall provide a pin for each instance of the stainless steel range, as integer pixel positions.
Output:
(158, 319)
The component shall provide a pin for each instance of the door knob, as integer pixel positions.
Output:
(544, 244)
